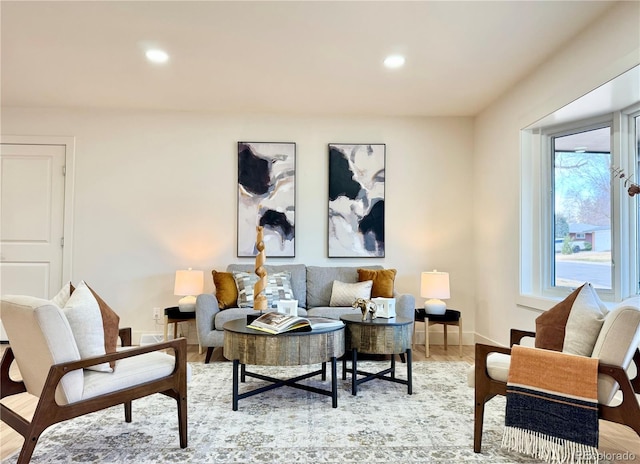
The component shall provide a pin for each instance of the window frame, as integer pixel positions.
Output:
(537, 243)
(548, 134)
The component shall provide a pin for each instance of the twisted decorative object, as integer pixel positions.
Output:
(260, 300)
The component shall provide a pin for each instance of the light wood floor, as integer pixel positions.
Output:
(619, 443)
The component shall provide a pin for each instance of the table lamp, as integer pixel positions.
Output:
(435, 285)
(188, 284)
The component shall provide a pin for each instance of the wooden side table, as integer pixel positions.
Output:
(174, 316)
(377, 336)
(450, 317)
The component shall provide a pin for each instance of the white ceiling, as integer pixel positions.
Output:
(280, 57)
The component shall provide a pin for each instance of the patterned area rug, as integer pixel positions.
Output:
(382, 424)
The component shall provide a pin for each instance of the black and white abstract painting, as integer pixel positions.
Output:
(356, 200)
(266, 197)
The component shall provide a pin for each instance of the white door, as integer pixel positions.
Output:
(32, 199)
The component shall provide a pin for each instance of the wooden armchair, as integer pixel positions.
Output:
(42, 344)
(491, 371)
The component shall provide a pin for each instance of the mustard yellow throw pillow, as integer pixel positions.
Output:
(383, 280)
(226, 289)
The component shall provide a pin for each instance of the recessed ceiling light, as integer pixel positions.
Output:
(394, 61)
(157, 56)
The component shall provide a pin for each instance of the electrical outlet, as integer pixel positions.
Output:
(157, 314)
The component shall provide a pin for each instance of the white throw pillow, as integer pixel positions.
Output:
(584, 323)
(83, 313)
(345, 294)
(62, 296)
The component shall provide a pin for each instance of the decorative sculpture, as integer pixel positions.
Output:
(632, 187)
(366, 306)
(260, 300)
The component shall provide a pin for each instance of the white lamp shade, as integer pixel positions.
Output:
(188, 284)
(435, 285)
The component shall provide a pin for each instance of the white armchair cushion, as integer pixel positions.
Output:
(497, 368)
(129, 372)
(40, 336)
(83, 313)
(616, 344)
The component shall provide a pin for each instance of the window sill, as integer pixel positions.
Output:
(541, 304)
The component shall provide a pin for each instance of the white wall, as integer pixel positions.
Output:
(156, 192)
(603, 51)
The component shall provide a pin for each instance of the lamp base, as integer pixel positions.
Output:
(187, 304)
(435, 307)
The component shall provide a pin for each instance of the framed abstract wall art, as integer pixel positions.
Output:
(266, 197)
(356, 200)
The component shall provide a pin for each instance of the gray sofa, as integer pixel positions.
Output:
(311, 286)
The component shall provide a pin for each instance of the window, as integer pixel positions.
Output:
(578, 222)
(581, 200)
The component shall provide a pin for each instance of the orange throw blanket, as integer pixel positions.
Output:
(552, 406)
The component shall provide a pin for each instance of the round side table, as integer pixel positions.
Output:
(378, 336)
(174, 316)
(450, 317)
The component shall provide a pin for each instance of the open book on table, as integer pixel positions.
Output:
(276, 323)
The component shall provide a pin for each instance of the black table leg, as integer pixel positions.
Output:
(354, 372)
(243, 370)
(324, 371)
(235, 384)
(334, 382)
(344, 367)
(410, 382)
(393, 366)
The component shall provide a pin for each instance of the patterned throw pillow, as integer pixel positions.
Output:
(278, 288)
(345, 294)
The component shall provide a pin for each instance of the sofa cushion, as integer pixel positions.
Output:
(320, 282)
(383, 280)
(298, 277)
(226, 290)
(332, 312)
(345, 294)
(278, 288)
(573, 324)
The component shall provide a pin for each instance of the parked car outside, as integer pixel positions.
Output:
(558, 245)
(580, 245)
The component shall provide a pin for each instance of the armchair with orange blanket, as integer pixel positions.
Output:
(616, 346)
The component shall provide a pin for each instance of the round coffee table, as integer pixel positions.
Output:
(243, 346)
(378, 336)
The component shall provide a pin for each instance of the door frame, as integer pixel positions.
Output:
(69, 144)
